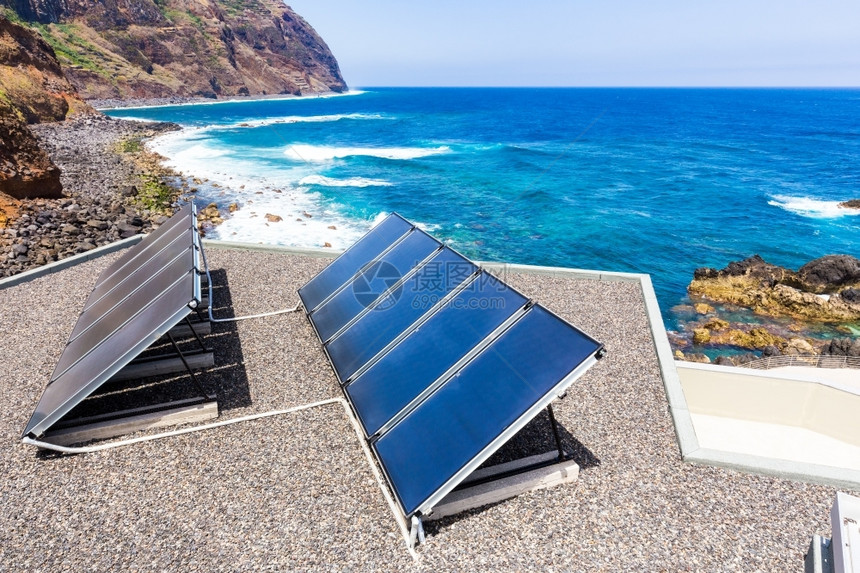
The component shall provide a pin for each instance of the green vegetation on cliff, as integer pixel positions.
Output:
(163, 48)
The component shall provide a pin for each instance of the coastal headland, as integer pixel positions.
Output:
(72, 179)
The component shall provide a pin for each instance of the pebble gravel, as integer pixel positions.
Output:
(295, 492)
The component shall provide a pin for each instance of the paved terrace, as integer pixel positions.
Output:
(295, 492)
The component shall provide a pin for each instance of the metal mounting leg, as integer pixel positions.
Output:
(555, 432)
(197, 336)
(187, 367)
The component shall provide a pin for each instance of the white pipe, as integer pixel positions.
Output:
(238, 318)
(170, 434)
(398, 517)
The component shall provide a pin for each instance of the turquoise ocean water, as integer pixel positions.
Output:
(659, 181)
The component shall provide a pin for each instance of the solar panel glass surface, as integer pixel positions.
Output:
(130, 259)
(413, 365)
(370, 285)
(143, 294)
(494, 391)
(343, 268)
(372, 332)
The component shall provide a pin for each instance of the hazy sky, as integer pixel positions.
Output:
(591, 42)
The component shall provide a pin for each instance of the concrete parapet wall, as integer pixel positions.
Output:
(761, 397)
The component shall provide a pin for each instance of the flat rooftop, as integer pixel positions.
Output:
(296, 491)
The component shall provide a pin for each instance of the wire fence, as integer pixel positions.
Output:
(808, 360)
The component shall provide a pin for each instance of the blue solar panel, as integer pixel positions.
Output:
(352, 260)
(441, 365)
(468, 413)
(104, 325)
(137, 279)
(86, 375)
(178, 225)
(413, 365)
(375, 330)
(149, 289)
(367, 288)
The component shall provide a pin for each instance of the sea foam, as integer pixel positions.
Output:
(317, 153)
(258, 189)
(811, 207)
(349, 182)
(288, 119)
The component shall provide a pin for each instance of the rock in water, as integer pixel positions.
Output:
(776, 291)
(701, 336)
(842, 347)
(799, 346)
(827, 273)
(851, 295)
(852, 204)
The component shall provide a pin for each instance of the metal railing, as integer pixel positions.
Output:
(808, 360)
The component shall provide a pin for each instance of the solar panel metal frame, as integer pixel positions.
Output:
(37, 427)
(471, 354)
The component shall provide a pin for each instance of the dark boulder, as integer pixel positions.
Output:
(705, 273)
(745, 358)
(757, 268)
(851, 295)
(770, 351)
(826, 273)
(842, 347)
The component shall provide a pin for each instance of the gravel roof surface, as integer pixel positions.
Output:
(295, 492)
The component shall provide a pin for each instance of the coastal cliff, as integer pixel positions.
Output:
(185, 48)
(32, 90)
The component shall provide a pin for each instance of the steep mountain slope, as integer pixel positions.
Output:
(162, 48)
(32, 90)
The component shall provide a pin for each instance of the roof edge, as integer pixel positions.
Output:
(72, 261)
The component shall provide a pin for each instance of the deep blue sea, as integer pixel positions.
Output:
(659, 181)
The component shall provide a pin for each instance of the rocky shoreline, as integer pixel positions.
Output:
(113, 188)
(824, 292)
(116, 103)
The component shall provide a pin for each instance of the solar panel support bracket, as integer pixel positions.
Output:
(132, 420)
